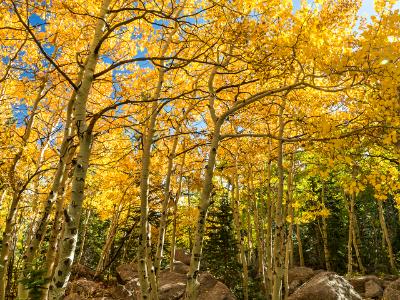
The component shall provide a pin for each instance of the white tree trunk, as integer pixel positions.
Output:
(175, 211)
(386, 237)
(73, 213)
(239, 235)
(204, 203)
(279, 236)
(66, 153)
(17, 191)
(164, 209)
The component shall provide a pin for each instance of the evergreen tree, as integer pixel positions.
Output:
(220, 251)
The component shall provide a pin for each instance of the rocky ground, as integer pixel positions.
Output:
(172, 284)
(305, 284)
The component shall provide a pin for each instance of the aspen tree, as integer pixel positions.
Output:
(386, 237)
(175, 210)
(66, 152)
(167, 194)
(147, 273)
(325, 233)
(239, 233)
(258, 227)
(103, 261)
(269, 237)
(73, 213)
(56, 230)
(300, 244)
(17, 191)
(279, 236)
(289, 243)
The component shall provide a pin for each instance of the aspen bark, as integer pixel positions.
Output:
(175, 211)
(236, 229)
(164, 210)
(350, 238)
(35, 203)
(279, 236)
(55, 236)
(357, 251)
(269, 243)
(146, 270)
(325, 233)
(357, 243)
(73, 213)
(3, 196)
(167, 196)
(239, 235)
(144, 261)
(173, 236)
(258, 229)
(65, 156)
(192, 285)
(386, 237)
(204, 203)
(72, 217)
(16, 195)
(249, 234)
(300, 245)
(288, 249)
(84, 235)
(104, 257)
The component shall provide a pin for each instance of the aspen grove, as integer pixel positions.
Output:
(255, 135)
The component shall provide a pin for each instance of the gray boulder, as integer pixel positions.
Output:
(180, 267)
(373, 289)
(392, 292)
(183, 256)
(211, 288)
(297, 276)
(359, 283)
(126, 273)
(326, 286)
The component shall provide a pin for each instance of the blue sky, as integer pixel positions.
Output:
(367, 8)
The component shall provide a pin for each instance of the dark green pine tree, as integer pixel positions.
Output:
(220, 250)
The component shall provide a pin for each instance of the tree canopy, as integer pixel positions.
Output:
(123, 123)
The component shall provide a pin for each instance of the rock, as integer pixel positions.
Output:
(211, 288)
(218, 292)
(126, 273)
(172, 285)
(386, 283)
(392, 292)
(180, 267)
(359, 282)
(120, 292)
(87, 289)
(183, 256)
(297, 276)
(171, 277)
(302, 274)
(73, 296)
(372, 289)
(84, 287)
(81, 271)
(390, 277)
(294, 285)
(326, 286)
(172, 291)
(133, 285)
